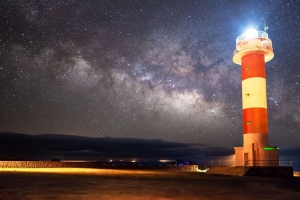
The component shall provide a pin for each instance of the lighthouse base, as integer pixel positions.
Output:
(259, 156)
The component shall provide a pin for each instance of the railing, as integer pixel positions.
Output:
(265, 163)
(285, 163)
(269, 163)
(245, 167)
(243, 36)
(222, 162)
(250, 163)
(218, 163)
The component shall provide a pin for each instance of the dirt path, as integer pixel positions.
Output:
(137, 184)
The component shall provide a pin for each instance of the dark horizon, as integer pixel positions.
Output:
(57, 146)
(20, 146)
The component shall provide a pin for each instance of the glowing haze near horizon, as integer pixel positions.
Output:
(143, 69)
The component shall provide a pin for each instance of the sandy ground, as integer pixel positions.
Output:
(139, 184)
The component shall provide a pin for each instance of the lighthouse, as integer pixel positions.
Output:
(253, 50)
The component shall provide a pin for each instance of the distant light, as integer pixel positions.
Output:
(252, 33)
(164, 161)
(133, 161)
(203, 170)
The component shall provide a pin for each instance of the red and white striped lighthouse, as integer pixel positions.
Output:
(253, 49)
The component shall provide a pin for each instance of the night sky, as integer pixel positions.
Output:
(141, 69)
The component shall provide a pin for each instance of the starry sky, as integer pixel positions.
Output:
(144, 69)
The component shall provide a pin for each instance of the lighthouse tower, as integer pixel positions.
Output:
(253, 49)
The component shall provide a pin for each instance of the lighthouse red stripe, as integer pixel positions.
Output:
(253, 65)
(255, 120)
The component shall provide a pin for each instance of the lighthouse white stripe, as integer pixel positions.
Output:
(254, 93)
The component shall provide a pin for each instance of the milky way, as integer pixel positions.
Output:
(143, 69)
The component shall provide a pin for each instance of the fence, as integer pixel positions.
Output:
(268, 163)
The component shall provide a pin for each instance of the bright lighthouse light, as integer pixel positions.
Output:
(252, 33)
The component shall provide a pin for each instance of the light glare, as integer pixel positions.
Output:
(252, 33)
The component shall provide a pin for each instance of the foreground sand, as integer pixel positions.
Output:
(139, 184)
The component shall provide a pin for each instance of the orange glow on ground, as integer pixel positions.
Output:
(76, 171)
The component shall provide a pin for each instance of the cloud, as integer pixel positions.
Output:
(47, 146)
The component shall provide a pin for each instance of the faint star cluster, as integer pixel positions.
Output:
(143, 69)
